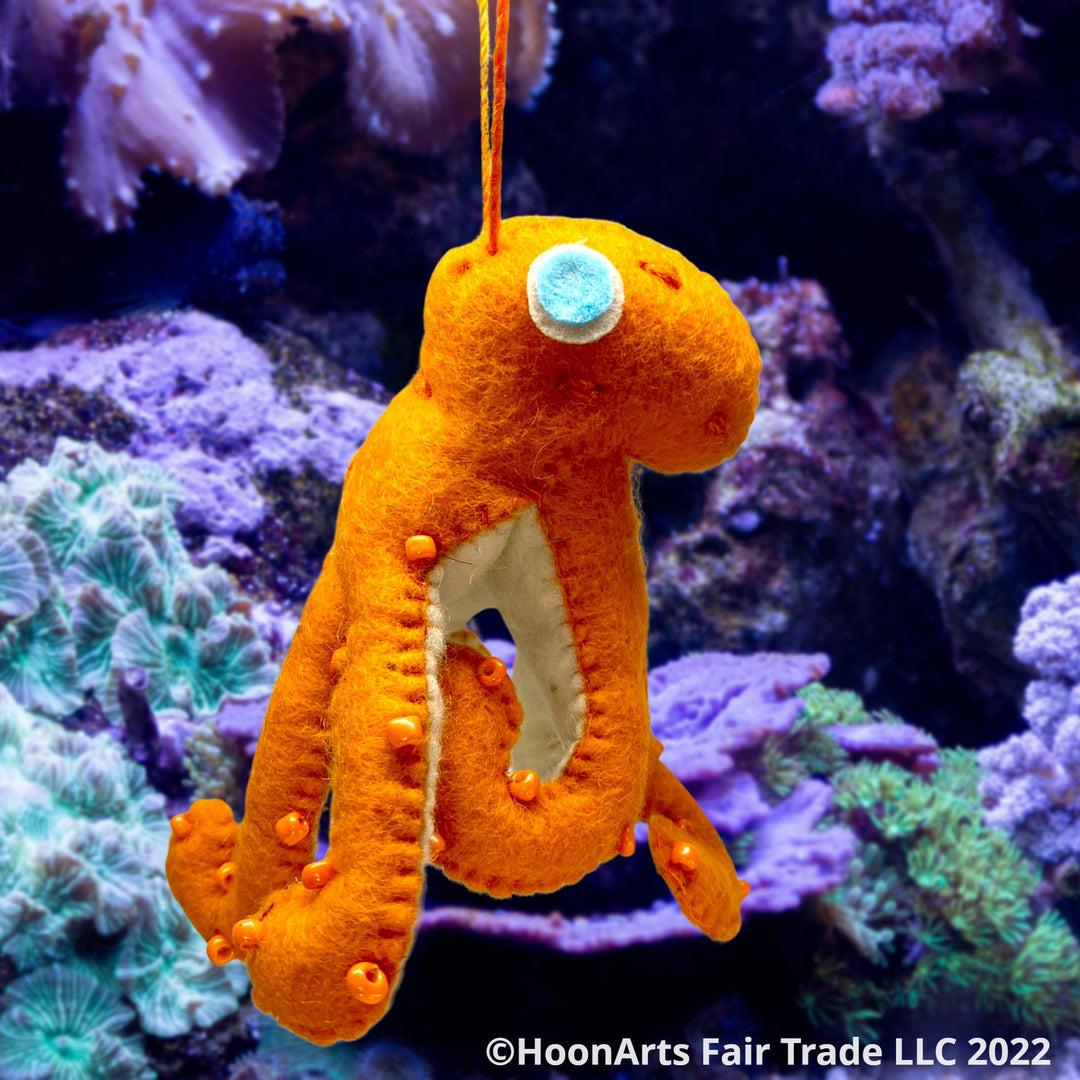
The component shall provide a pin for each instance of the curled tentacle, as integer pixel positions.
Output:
(691, 858)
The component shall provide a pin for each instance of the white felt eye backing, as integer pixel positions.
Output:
(575, 293)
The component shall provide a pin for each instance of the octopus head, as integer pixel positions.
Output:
(586, 332)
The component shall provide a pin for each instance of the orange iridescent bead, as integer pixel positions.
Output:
(219, 950)
(337, 661)
(181, 826)
(291, 829)
(367, 982)
(685, 855)
(525, 785)
(627, 843)
(491, 672)
(404, 731)
(225, 875)
(437, 845)
(418, 548)
(744, 888)
(247, 934)
(316, 874)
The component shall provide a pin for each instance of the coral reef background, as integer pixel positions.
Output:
(864, 641)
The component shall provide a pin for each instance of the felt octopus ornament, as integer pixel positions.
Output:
(556, 354)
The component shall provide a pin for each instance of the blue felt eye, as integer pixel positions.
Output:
(575, 293)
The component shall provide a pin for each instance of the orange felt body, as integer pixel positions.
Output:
(378, 700)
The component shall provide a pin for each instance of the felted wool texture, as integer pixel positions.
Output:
(192, 862)
(511, 567)
(289, 774)
(499, 419)
(576, 821)
(673, 385)
(495, 844)
(710, 894)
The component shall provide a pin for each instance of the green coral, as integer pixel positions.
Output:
(938, 910)
(807, 749)
(95, 580)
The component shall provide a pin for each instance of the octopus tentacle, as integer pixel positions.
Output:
(690, 856)
(218, 870)
(333, 944)
(584, 657)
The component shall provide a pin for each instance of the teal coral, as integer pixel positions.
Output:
(938, 911)
(82, 852)
(61, 1024)
(284, 1056)
(163, 969)
(115, 590)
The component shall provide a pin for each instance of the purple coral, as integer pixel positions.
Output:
(208, 408)
(708, 707)
(904, 744)
(1032, 781)
(792, 858)
(895, 58)
(794, 325)
(713, 712)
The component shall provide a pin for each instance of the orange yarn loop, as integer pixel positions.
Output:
(493, 68)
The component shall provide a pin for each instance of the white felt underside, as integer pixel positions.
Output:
(510, 568)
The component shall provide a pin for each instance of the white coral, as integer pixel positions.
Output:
(190, 87)
(414, 79)
(187, 86)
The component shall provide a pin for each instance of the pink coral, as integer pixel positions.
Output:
(895, 58)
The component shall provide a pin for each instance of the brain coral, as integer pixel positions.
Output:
(190, 87)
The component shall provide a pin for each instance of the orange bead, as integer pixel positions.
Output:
(225, 875)
(182, 826)
(404, 731)
(367, 982)
(744, 888)
(316, 874)
(627, 843)
(419, 548)
(291, 829)
(219, 950)
(247, 934)
(437, 845)
(491, 672)
(524, 785)
(685, 855)
(337, 661)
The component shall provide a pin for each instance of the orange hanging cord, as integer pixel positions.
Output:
(493, 68)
